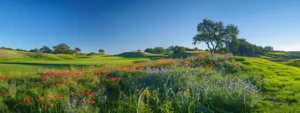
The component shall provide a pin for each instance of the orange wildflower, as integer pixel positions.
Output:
(61, 97)
(54, 98)
(45, 107)
(41, 98)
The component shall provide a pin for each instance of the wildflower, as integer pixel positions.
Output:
(61, 97)
(49, 97)
(186, 92)
(41, 98)
(25, 99)
(54, 98)
(146, 92)
(153, 99)
(45, 107)
(154, 91)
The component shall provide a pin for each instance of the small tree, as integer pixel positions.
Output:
(101, 51)
(61, 49)
(268, 49)
(149, 50)
(178, 49)
(159, 50)
(77, 50)
(196, 49)
(45, 49)
(34, 50)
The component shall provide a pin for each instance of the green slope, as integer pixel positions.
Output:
(282, 89)
(11, 61)
(137, 54)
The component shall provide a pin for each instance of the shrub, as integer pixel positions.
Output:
(92, 53)
(295, 63)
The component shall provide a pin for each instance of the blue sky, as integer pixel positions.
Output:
(126, 25)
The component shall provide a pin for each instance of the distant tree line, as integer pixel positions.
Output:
(170, 50)
(223, 39)
(6, 48)
(156, 50)
(58, 49)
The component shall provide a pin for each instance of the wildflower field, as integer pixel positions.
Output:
(198, 84)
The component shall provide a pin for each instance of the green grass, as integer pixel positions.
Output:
(282, 56)
(137, 54)
(187, 54)
(280, 80)
(162, 90)
(11, 61)
(295, 63)
(162, 86)
(282, 88)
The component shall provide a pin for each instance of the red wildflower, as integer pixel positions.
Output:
(61, 97)
(41, 98)
(45, 107)
(54, 98)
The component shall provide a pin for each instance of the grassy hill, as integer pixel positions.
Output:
(282, 84)
(187, 54)
(282, 56)
(286, 58)
(12, 61)
(138, 54)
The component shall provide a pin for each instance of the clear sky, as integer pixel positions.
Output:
(126, 25)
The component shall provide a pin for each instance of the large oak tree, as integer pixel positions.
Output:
(214, 34)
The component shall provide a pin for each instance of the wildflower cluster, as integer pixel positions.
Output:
(195, 84)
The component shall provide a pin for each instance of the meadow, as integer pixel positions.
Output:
(27, 62)
(205, 83)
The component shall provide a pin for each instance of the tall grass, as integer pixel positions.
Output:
(194, 85)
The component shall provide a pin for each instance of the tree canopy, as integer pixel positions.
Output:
(101, 51)
(159, 50)
(45, 49)
(149, 50)
(214, 34)
(61, 49)
(34, 50)
(77, 49)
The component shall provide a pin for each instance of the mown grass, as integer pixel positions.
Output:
(11, 61)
